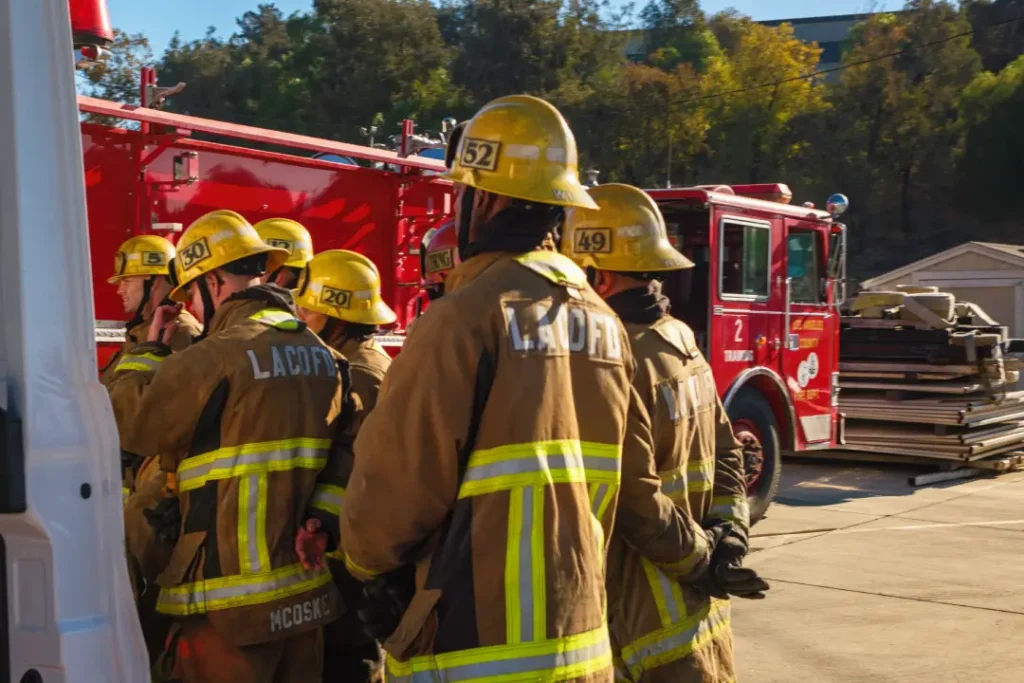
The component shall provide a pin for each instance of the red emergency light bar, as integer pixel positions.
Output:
(131, 112)
(771, 192)
(90, 23)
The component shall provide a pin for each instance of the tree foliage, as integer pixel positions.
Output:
(920, 127)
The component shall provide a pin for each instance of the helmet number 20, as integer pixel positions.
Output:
(480, 154)
(593, 241)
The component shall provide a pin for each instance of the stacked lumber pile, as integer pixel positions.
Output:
(924, 379)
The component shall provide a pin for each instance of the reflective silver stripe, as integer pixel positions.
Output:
(229, 461)
(526, 565)
(538, 667)
(328, 499)
(196, 593)
(684, 640)
(670, 401)
(252, 485)
(665, 584)
(736, 510)
(685, 479)
(541, 463)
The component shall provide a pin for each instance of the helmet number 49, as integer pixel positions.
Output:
(480, 154)
(593, 241)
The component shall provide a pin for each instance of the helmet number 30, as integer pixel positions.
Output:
(480, 154)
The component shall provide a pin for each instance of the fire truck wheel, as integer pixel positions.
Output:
(755, 427)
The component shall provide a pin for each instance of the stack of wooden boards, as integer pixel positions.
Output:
(924, 379)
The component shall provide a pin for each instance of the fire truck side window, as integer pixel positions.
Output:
(744, 260)
(804, 267)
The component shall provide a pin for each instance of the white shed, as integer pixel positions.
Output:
(985, 273)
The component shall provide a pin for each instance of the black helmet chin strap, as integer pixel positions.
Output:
(147, 289)
(208, 311)
(465, 220)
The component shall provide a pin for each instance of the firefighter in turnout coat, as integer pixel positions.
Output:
(245, 419)
(339, 298)
(479, 521)
(142, 278)
(665, 630)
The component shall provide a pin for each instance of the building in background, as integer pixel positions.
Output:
(828, 32)
(988, 274)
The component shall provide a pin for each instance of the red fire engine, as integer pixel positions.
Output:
(763, 302)
(158, 178)
(763, 292)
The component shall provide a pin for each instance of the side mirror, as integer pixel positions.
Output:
(836, 271)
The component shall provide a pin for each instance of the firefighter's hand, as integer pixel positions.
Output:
(165, 519)
(164, 324)
(311, 544)
(743, 582)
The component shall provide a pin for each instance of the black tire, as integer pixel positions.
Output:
(752, 407)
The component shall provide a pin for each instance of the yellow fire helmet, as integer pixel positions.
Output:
(285, 233)
(344, 285)
(142, 255)
(627, 234)
(520, 146)
(215, 240)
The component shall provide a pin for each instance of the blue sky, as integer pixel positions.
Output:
(159, 19)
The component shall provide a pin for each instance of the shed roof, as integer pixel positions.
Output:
(1009, 253)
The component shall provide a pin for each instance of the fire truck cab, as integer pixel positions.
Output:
(762, 300)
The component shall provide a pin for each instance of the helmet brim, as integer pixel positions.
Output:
(276, 258)
(563, 191)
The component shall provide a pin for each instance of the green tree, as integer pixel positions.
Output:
(117, 76)
(676, 32)
(892, 140)
(991, 110)
(756, 90)
(529, 46)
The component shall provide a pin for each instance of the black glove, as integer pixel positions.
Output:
(385, 600)
(730, 550)
(742, 582)
(716, 533)
(165, 519)
(726, 576)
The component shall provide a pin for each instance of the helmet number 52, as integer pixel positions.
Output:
(480, 154)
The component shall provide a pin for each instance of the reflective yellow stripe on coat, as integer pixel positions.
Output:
(731, 509)
(139, 361)
(524, 470)
(201, 597)
(277, 318)
(558, 659)
(681, 639)
(251, 465)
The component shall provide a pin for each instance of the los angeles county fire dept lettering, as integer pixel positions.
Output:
(284, 618)
(549, 329)
(292, 360)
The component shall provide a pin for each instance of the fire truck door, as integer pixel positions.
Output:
(748, 297)
(807, 354)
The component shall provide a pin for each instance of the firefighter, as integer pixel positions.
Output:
(245, 418)
(141, 275)
(439, 254)
(485, 479)
(666, 631)
(292, 236)
(339, 298)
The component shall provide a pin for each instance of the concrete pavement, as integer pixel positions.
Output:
(876, 582)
